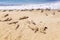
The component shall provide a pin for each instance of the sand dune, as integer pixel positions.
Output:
(30, 24)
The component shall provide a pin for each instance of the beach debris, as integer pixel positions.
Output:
(38, 9)
(27, 9)
(17, 10)
(30, 9)
(24, 9)
(48, 9)
(6, 15)
(25, 17)
(10, 10)
(4, 10)
(14, 22)
(8, 19)
(17, 27)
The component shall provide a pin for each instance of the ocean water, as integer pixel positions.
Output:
(14, 2)
(29, 4)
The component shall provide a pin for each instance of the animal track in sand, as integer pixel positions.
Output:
(6, 15)
(13, 22)
(36, 28)
(17, 27)
(32, 22)
(5, 20)
(43, 30)
(8, 19)
(25, 17)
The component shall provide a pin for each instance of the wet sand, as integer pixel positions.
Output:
(30, 24)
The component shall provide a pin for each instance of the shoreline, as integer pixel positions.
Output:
(4, 10)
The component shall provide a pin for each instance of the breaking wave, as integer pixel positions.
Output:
(54, 5)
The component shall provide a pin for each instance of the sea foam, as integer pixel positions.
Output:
(54, 5)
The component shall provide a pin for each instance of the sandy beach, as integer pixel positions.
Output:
(39, 24)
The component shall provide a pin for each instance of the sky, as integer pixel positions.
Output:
(25, 1)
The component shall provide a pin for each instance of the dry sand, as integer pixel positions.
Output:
(29, 25)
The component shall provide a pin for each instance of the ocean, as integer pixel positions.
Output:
(20, 2)
(29, 4)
